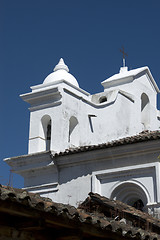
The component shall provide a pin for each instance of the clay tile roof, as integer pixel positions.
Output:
(97, 216)
(141, 137)
(121, 215)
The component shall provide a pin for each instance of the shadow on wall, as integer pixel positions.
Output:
(73, 137)
(145, 111)
(80, 167)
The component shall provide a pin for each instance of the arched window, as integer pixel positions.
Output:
(131, 194)
(46, 132)
(73, 131)
(145, 118)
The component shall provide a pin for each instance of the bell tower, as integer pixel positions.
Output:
(48, 128)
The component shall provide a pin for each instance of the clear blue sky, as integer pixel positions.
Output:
(88, 34)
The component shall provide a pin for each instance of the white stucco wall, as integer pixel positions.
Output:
(97, 123)
(79, 119)
(128, 173)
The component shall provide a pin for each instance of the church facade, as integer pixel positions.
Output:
(108, 143)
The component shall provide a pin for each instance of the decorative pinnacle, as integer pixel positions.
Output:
(61, 66)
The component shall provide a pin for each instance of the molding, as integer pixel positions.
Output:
(47, 105)
(120, 173)
(41, 159)
(43, 99)
(30, 97)
(23, 171)
(44, 188)
(130, 76)
(127, 95)
(105, 104)
(37, 137)
(51, 85)
(38, 157)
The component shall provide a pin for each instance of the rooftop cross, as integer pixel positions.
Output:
(124, 54)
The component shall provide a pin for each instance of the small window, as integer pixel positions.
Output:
(48, 138)
(46, 133)
(103, 99)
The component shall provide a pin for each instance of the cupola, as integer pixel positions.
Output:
(61, 72)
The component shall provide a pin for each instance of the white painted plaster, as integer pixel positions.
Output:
(79, 119)
(107, 181)
(116, 111)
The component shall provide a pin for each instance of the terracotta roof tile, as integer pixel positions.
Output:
(121, 215)
(141, 137)
(91, 212)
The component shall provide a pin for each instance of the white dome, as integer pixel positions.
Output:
(61, 72)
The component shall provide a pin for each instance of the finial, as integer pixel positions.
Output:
(61, 66)
(124, 54)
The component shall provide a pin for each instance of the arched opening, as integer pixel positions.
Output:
(145, 119)
(46, 125)
(131, 194)
(103, 99)
(73, 131)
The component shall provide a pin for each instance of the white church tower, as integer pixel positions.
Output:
(71, 131)
(53, 118)
(64, 116)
